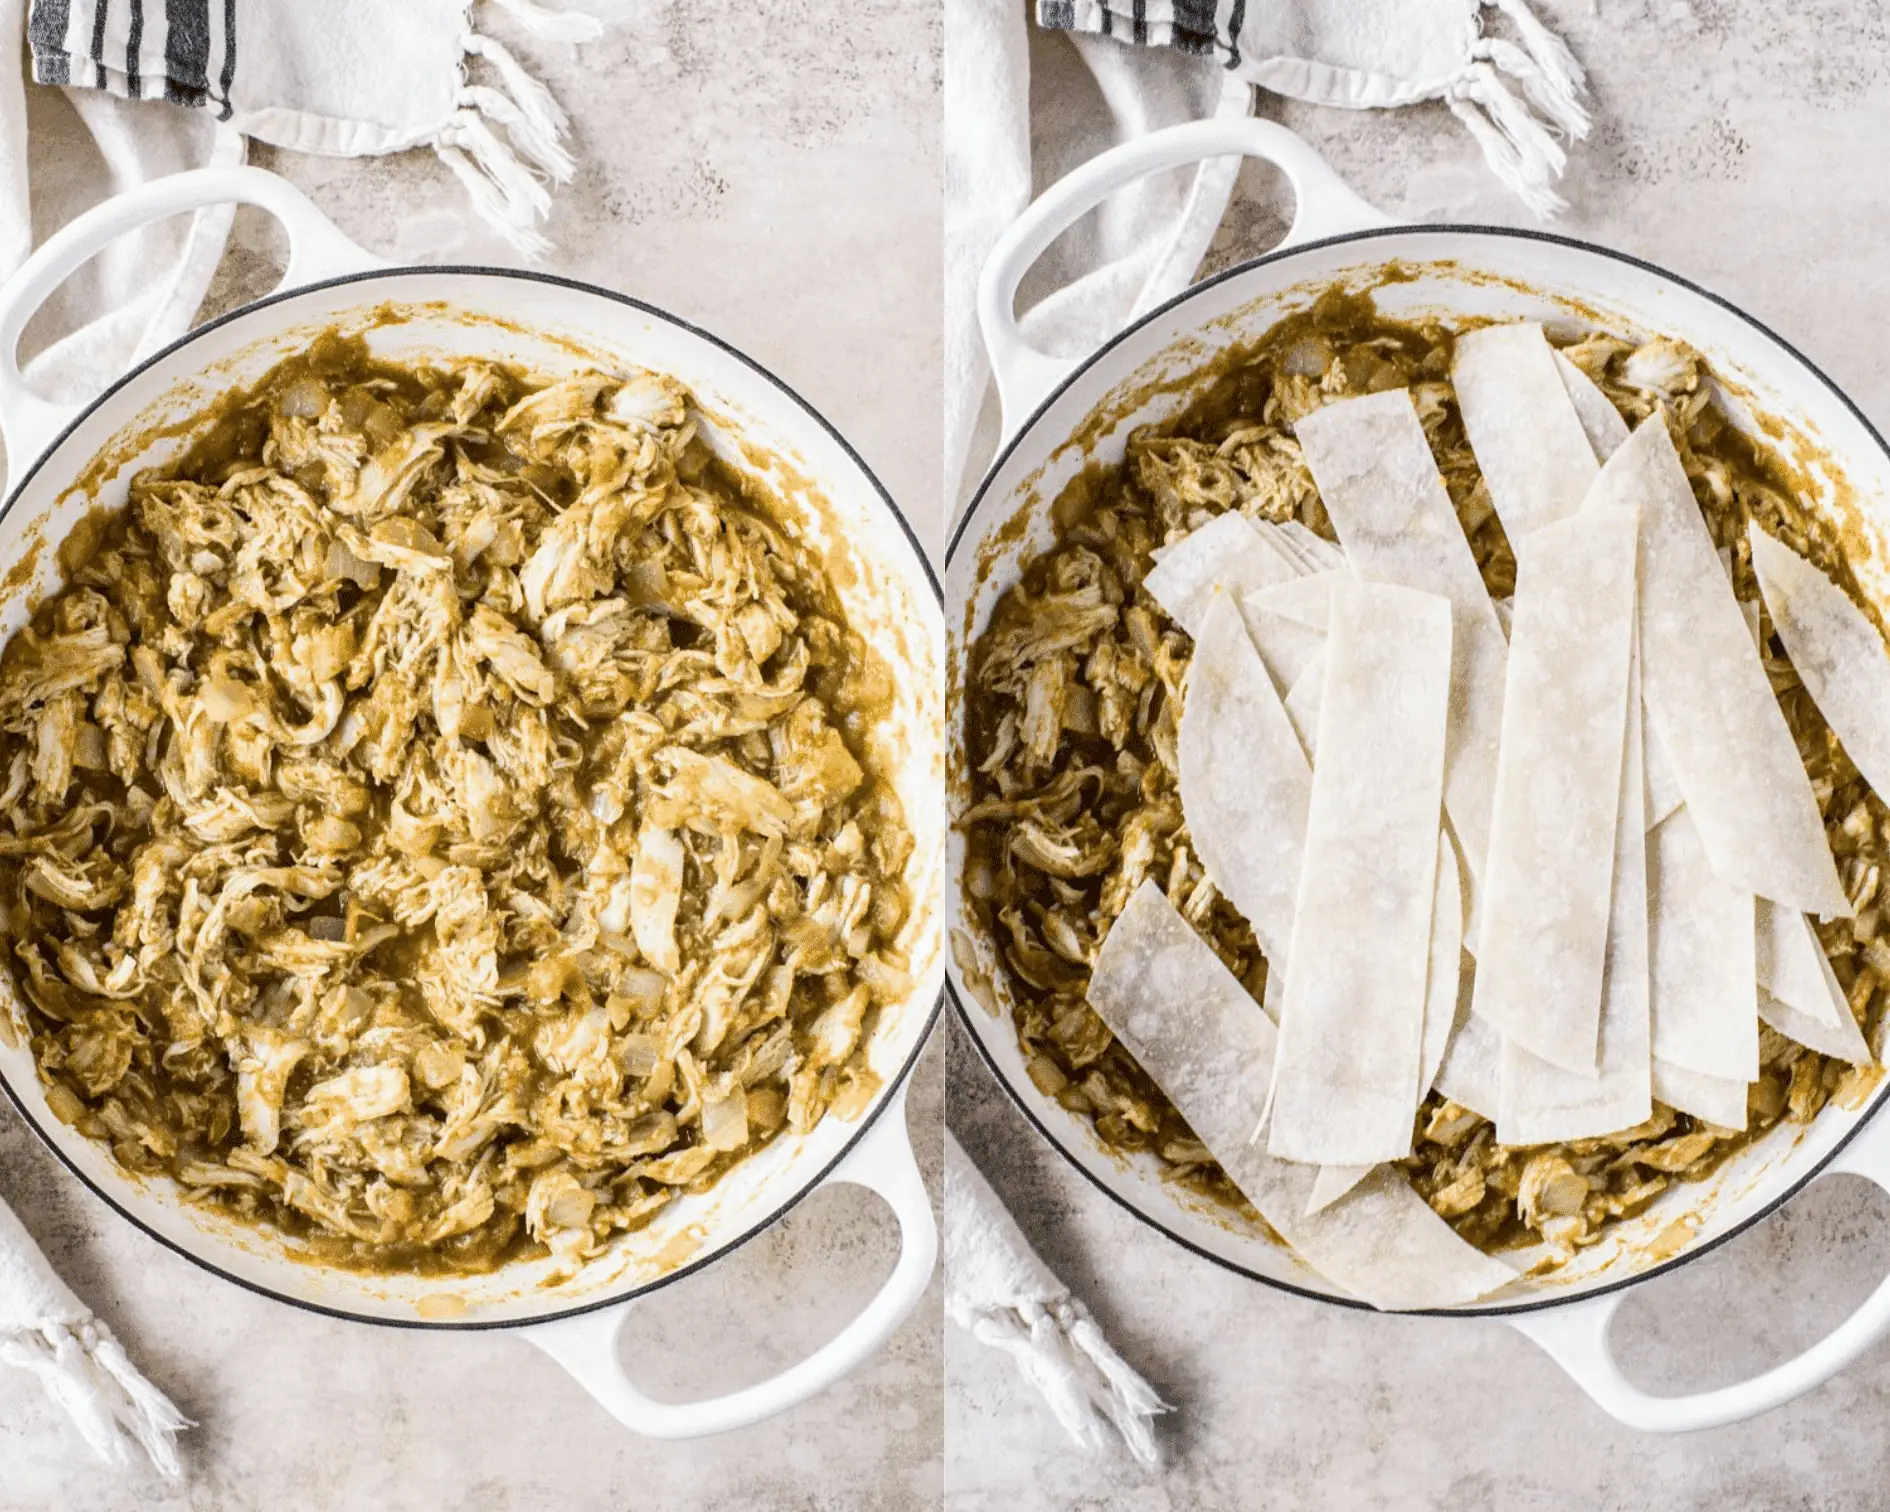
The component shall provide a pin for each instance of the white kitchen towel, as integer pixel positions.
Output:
(1022, 108)
(348, 78)
(1368, 54)
(998, 1288)
(47, 1330)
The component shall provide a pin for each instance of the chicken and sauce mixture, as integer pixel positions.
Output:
(1076, 692)
(435, 820)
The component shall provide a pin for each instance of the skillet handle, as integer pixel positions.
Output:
(882, 1162)
(317, 250)
(1575, 1336)
(1324, 206)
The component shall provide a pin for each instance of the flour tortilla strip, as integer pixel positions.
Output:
(1505, 614)
(1286, 647)
(1352, 1020)
(1707, 694)
(1332, 1183)
(1445, 977)
(1323, 555)
(1471, 1072)
(1225, 556)
(1602, 422)
(1306, 601)
(1720, 1100)
(1440, 1008)
(1380, 485)
(1302, 703)
(1538, 1103)
(1799, 993)
(1703, 955)
(1287, 544)
(1545, 922)
(1815, 1033)
(1245, 784)
(1191, 1025)
(1530, 444)
(1837, 652)
(1663, 788)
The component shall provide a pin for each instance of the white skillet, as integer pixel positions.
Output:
(1060, 415)
(554, 326)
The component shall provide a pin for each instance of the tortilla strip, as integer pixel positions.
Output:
(1381, 487)
(1663, 788)
(1530, 444)
(1720, 1100)
(1288, 545)
(1302, 703)
(1505, 613)
(1352, 1018)
(1471, 1071)
(1305, 601)
(1538, 1103)
(1443, 984)
(1245, 784)
(1664, 797)
(1322, 555)
(1703, 958)
(1226, 555)
(1553, 845)
(1440, 1008)
(1836, 651)
(1191, 1025)
(1707, 694)
(1799, 993)
(1332, 1183)
(1286, 647)
(1601, 421)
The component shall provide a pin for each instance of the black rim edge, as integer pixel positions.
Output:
(907, 1065)
(957, 539)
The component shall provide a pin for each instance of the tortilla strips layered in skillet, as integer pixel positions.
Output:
(1540, 1103)
(1395, 521)
(1166, 995)
(1662, 950)
(1544, 938)
(1352, 1016)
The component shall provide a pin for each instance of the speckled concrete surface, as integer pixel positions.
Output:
(777, 182)
(1739, 144)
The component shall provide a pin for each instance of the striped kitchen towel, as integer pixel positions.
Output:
(1369, 54)
(347, 78)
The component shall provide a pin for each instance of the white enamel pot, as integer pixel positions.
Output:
(65, 462)
(1060, 417)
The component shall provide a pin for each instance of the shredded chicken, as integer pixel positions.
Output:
(1077, 688)
(428, 822)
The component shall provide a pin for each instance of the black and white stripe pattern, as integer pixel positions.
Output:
(1203, 27)
(183, 51)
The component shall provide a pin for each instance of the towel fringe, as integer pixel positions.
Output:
(1519, 139)
(86, 1371)
(1518, 148)
(1063, 1354)
(511, 218)
(532, 98)
(1562, 72)
(528, 138)
(552, 25)
(498, 175)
